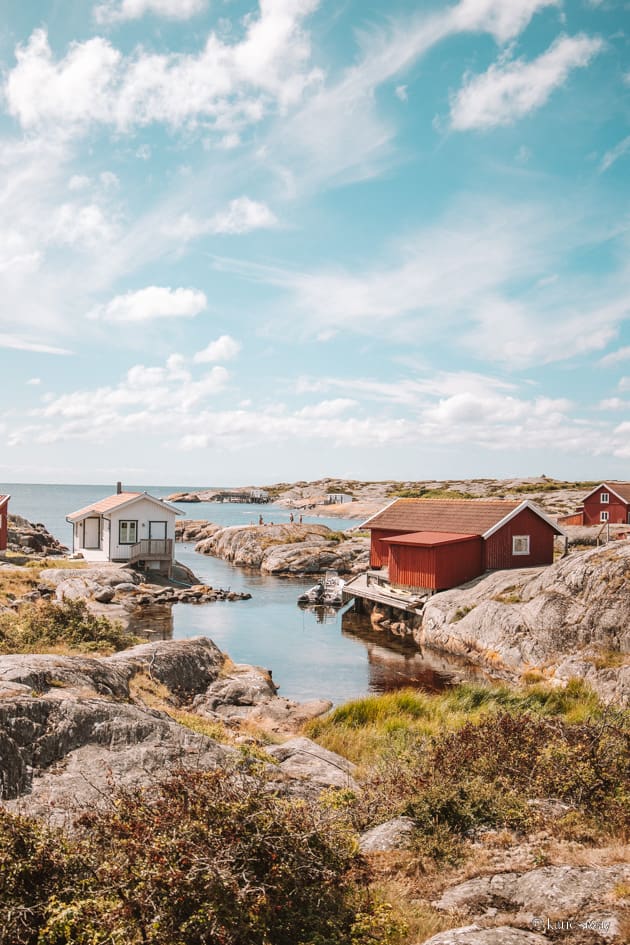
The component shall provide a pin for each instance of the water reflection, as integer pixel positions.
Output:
(312, 654)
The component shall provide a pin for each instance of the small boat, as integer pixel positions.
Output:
(327, 591)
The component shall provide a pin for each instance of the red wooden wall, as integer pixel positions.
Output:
(4, 525)
(617, 510)
(498, 547)
(436, 567)
(379, 552)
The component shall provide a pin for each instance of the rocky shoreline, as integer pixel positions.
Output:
(283, 549)
(68, 724)
(568, 620)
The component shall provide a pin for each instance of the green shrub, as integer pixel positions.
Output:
(206, 857)
(69, 625)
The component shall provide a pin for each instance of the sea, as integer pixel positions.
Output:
(312, 653)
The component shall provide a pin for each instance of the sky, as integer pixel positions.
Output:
(252, 242)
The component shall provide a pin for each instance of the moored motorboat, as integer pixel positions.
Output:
(327, 591)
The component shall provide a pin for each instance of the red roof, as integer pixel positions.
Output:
(429, 538)
(4, 499)
(622, 489)
(455, 516)
(106, 505)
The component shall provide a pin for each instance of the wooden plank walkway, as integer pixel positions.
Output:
(359, 587)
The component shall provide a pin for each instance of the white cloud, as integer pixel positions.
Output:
(242, 215)
(328, 408)
(26, 344)
(34, 381)
(619, 151)
(509, 90)
(112, 11)
(401, 92)
(224, 348)
(224, 85)
(88, 225)
(505, 19)
(151, 303)
(615, 357)
(614, 403)
(79, 182)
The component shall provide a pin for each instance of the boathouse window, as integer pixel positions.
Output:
(127, 532)
(603, 516)
(520, 544)
(605, 498)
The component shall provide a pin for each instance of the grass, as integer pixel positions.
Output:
(423, 493)
(509, 596)
(610, 659)
(366, 729)
(15, 582)
(461, 612)
(552, 485)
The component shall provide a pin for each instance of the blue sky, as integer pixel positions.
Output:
(244, 242)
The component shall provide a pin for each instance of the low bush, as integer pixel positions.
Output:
(207, 857)
(487, 774)
(69, 626)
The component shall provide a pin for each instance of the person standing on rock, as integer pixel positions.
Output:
(260, 520)
(291, 518)
(300, 519)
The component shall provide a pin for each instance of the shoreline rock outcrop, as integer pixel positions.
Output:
(71, 727)
(288, 548)
(571, 619)
(32, 539)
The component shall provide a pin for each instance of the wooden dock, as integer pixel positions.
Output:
(370, 587)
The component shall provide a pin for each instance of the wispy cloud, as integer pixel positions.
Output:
(615, 357)
(26, 344)
(612, 156)
(509, 90)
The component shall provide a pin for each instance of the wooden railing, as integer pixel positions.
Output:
(151, 549)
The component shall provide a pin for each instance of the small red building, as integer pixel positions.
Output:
(609, 502)
(4, 521)
(435, 544)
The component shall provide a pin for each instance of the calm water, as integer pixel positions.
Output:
(311, 655)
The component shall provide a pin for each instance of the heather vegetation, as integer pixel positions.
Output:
(213, 857)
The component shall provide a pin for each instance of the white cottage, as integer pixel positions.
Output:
(133, 527)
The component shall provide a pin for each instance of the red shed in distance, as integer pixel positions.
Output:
(608, 502)
(436, 544)
(4, 521)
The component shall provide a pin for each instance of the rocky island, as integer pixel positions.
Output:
(287, 548)
(316, 497)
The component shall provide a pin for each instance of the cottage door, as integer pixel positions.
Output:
(157, 530)
(92, 533)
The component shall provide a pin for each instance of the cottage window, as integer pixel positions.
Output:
(603, 516)
(605, 498)
(520, 544)
(127, 532)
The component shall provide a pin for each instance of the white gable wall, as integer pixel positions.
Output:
(142, 511)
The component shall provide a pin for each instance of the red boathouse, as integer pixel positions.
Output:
(4, 521)
(436, 544)
(608, 503)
